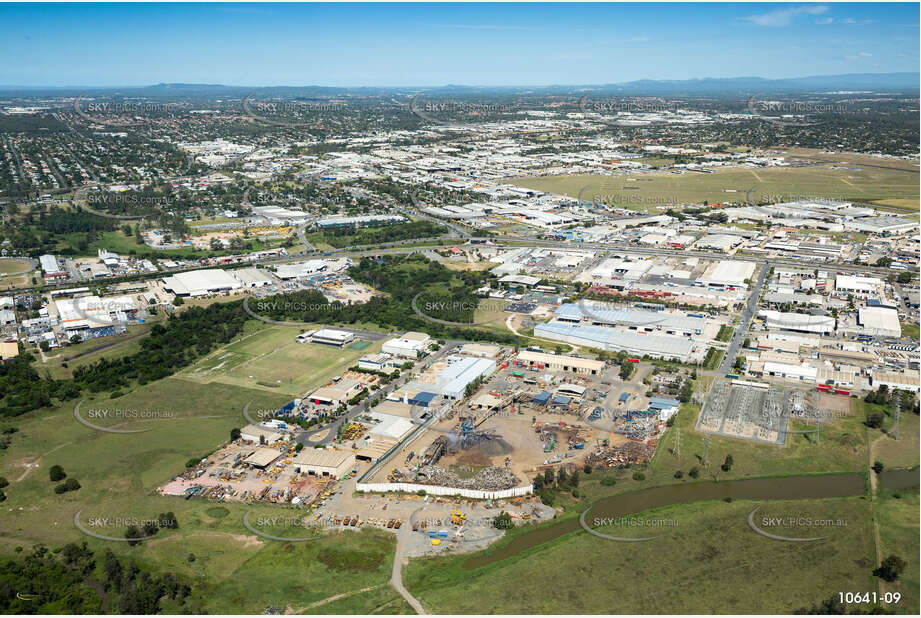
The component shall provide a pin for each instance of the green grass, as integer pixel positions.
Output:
(271, 355)
(725, 333)
(380, 600)
(14, 267)
(91, 351)
(911, 331)
(898, 531)
(868, 184)
(293, 575)
(711, 562)
(841, 448)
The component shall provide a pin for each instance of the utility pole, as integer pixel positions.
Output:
(897, 400)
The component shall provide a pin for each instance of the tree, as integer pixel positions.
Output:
(235, 434)
(574, 479)
(874, 420)
(56, 473)
(502, 521)
(890, 568)
(3, 482)
(727, 464)
(548, 477)
(561, 477)
(694, 472)
(178, 302)
(71, 484)
(133, 535)
(608, 481)
(904, 277)
(679, 474)
(877, 466)
(639, 476)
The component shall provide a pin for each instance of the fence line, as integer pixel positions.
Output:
(437, 490)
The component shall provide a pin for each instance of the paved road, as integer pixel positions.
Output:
(332, 429)
(744, 320)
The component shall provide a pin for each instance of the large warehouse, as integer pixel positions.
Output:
(859, 286)
(201, 282)
(879, 321)
(558, 362)
(451, 376)
(798, 322)
(669, 321)
(320, 462)
(616, 339)
(727, 274)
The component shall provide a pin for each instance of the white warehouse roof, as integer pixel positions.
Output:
(201, 282)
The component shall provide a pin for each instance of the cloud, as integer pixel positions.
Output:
(824, 21)
(784, 17)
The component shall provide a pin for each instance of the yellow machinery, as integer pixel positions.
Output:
(458, 518)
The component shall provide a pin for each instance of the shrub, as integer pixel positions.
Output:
(71, 484)
(890, 568)
(679, 474)
(57, 473)
(3, 482)
(877, 467)
(639, 476)
(608, 481)
(694, 472)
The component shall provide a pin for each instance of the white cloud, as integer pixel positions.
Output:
(784, 17)
(824, 21)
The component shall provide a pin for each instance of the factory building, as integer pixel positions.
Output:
(669, 322)
(727, 274)
(797, 322)
(331, 336)
(616, 340)
(879, 321)
(201, 282)
(410, 345)
(558, 362)
(860, 287)
(319, 462)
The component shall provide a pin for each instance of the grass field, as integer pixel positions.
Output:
(896, 186)
(711, 562)
(841, 448)
(270, 355)
(912, 331)
(898, 531)
(90, 351)
(14, 274)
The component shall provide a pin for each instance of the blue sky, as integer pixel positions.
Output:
(437, 44)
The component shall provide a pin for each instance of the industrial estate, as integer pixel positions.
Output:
(353, 351)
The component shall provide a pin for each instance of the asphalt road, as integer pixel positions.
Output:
(744, 321)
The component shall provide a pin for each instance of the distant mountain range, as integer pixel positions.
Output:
(874, 82)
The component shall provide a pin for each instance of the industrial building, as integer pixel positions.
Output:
(359, 221)
(260, 434)
(319, 462)
(670, 322)
(252, 277)
(798, 322)
(201, 282)
(860, 287)
(558, 362)
(879, 321)
(450, 377)
(409, 345)
(331, 336)
(297, 270)
(727, 274)
(616, 340)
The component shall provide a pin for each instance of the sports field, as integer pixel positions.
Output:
(850, 178)
(269, 358)
(14, 274)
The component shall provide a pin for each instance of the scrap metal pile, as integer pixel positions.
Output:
(494, 478)
(629, 453)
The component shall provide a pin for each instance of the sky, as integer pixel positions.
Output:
(436, 44)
